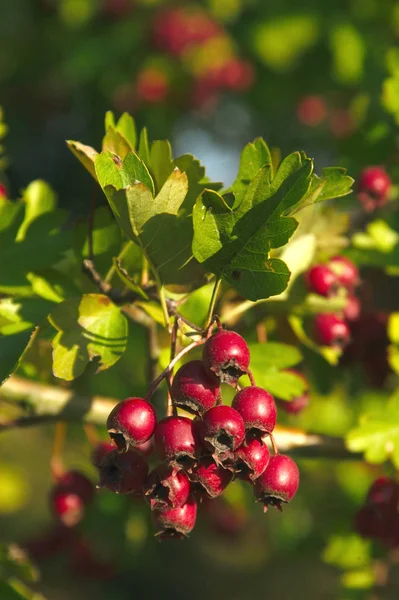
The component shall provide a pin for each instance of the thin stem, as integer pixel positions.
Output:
(273, 442)
(164, 307)
(57, 468)
(112, 269)
(144, 272)
(91, 434)
(168, 369)
(173, 342)
(251, 377)
(261, 332)
(212, 303)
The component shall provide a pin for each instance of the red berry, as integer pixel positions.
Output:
(384, 491)
(69, 497)
(3, 191)
(123, 473)
(194, 388)
(152, 85)
(176, 522)
(311, 110)
(352, 308)
(166, 487)
(345, 271)
(226, 354)
(331, 330)
(321, 280)
(212, 478)
(257, 408)
(299, 403)
(373, 188)
(222, 430)
(131, 423)
(369, 522)
(147, 448)
(174, 441)
(251, 459)
(100, 450)
(279, 482)
(55, 539)
(237, 74)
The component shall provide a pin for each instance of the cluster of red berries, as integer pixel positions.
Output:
(313, 111)
(186, 34)
(373, 188)
(338, 275)
(195, 459)
(379, 517)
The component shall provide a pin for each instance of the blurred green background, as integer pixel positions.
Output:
(315, 76)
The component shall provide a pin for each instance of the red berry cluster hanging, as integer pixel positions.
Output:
(373, 188)
(339, 275)
(379, 517)
(195, 459)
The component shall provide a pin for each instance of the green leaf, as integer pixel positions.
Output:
(281, 384)
(333, 184)
(254, 157)
(114, 142)
(274, 355)
(12, 349)
(20, 314)
(393, 327)
(234, 243)
(127, 128)
(347, 551)
(127, 280)
(109, 121)
(144, 148)
(331, 355)
(156, 224)
(359, 579)
(161, 162)
(85, 154)
(110, 171)
(39, 198)
(377, 434)
(89, 328)
(52, 285)
(267, 362)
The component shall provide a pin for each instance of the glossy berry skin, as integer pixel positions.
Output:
(222, 430)
(226, 355)
(251, 459)
(345, 271)
(299, 403)
(321, 280)
(279, 482)
(123, 473)
(257, 408)
(176, 522)
(352, 308)
(331, 330)
(174, 441)
(166, 488)
(194, 388)
(69, 497)
(131, 423)
(373, 188)
(212, 478)
(100, 450)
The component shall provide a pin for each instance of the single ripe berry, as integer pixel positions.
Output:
(311, 110)
(123, 473)
(166, 488)
(373, 188)
(321, 280)
(222, 430)
(212, 478)
(257, 408)
(152, 85)
(299, 403)
(345, 271)
(352, 308)
(251, 459)
(194, 388)
(100, 450)
(384, 491)
(69, 497)
(176, 522)
(174, 441)
(331, 330)
(131, 423)
(370, 523)
(278, 483)
(3, 191)
(226, 355)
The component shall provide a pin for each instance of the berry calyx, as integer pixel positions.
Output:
(131, 423)
(257, 408)
(278, 483)
(251, 459)
(373, 188)
(226, 355)
(194, 388)
(174, 441)
(321, 280)
(176, 522)
(100, 450)
(69, 497)
(345, 271)
(212, 478)
(123, 473)
(331, 330)
(166, 488)
(222, 430)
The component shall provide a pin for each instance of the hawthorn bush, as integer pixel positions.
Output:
(180, 355)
